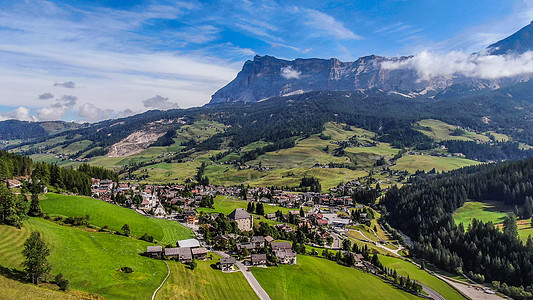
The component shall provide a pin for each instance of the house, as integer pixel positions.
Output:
(269, 239)
(154, 251)
(280, 245)
(227, 264)
(182, 254)
(244, 220)
(270, 216)
(258, 241)
(259, 260)
(285, 256)
(189, 243)
(199, 253)
(242, 246)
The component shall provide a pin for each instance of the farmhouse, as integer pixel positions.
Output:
(244, 220)
(280, 245)
(199, 253)
(227, 264)
(286, 256)
(182, 254)
(258, 241)
(154, 251)
(259, 259)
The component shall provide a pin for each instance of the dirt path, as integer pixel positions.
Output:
(153, 296)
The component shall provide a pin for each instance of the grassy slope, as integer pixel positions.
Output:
(491, 211)
(406, 268)
(12, 289)
(103, 213)
(204, 282)
(316, 278)
(412, 163)
(91, 260)
(442, 131)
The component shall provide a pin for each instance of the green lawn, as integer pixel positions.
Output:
(317, 278)
(103, 213)
(493, 212)
(204, 282)
(490, 211)
(412, 163)
(406, 268)
(91, 261)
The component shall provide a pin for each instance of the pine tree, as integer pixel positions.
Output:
(509, 225)
(35, 207)
(35, 252)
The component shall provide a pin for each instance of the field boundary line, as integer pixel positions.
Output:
(164, 280)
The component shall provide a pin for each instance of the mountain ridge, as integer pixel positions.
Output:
(266, 76)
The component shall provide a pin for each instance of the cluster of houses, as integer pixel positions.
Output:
(186, 251)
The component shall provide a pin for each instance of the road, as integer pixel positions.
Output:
(472, 291)
(258, 289)
(395, 252)
(431, 293)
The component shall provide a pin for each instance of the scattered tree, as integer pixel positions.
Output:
(35, 252)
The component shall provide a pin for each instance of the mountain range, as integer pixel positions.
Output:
(266, 76)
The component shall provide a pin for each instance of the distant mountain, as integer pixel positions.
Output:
(520, 42)
(266, 76)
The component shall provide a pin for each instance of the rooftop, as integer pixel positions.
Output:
(150, 249)
(192, 243)
(239, 214)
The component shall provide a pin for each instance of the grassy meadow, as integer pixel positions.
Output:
(204, 282)
(90, 260)
(103, 213)
(412, 163)
(406, 268)
(317, 278)
(490, 211)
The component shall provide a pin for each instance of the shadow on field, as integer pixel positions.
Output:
(13, 273)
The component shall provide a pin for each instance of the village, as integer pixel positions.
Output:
(310, 220)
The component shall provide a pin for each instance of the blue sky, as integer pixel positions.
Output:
(90, 60)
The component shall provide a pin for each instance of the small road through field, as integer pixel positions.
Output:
(258, 289)
(153, 296)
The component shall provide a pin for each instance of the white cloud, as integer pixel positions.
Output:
(327, 23)
(429, 65)
(46, 96)
(158, 102)
(21, 113)
(91, 113)
(57, 110)
(289, 73)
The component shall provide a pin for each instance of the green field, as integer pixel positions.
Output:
(490, 211)
(103, 213)
(412, 163)
(317, 278)
(204, 282)
(406, 268)
(90, 260)
(440, 131)
(493, 212)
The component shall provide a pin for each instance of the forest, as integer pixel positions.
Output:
(423, 211)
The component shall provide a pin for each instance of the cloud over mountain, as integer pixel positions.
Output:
(159, 102)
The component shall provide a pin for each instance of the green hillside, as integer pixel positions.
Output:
(103, 213)
(90, 260)
(317, 278)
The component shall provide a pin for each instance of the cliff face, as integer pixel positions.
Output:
(266, 76)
